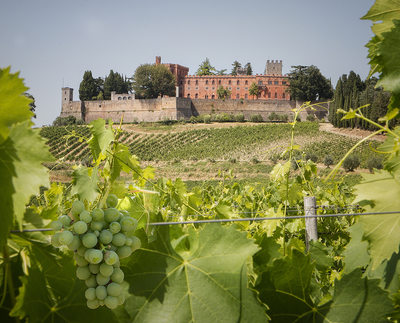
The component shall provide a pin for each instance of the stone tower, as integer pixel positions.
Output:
(67, 95)
(273, 67)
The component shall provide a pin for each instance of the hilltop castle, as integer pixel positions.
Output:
(194, 95)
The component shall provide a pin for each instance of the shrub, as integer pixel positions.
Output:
(256, 118)
(351, 163)
(328, 160)
(311, 117)
(66, 121)
(284, 118)
(312, 157)
(374, 163)
(273, 117)
(239, 117)
(207, 118)
(254, 160)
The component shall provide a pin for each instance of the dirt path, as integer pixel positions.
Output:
(348, 132)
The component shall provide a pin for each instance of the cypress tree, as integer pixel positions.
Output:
(88, 87)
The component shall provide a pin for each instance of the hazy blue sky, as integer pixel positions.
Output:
(53, 42)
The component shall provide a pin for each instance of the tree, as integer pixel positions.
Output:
(236, 65)
(221, 72)
(151, 81)
(205, 68)
(32, 104)
(308, 84)
(223, 93)
(249, 70)
(115, 82)
(254, 90)
(88, 89)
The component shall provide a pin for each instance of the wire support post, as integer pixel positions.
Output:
(310, 219)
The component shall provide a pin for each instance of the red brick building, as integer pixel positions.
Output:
(272, 86)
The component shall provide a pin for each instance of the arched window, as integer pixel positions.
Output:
(229, 82)
(188, 82)
(213, 96)
(283, 95)
(119, 98)
(206, 96)
(196, 95)
(124, 98)
(213, 82)
(129, 98)
(188, 95)
(237, 82)
(206, 81)
(246, 82)
(197, 82)
(276, 95)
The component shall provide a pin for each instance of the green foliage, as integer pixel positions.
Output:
(254, 90)
(14, 105)
(384, 46)
(223, 93)
(249, 70)
(351, 163)
(306, 83)
(66, 121)
(88, 88)
(115, 82)
(235, 67)
(328, 160)
(256, 118)
(374, 163)
(205, 68)
(151, 81)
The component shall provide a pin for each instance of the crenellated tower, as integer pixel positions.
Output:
(273, 67)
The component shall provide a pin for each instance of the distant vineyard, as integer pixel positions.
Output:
(67, 143)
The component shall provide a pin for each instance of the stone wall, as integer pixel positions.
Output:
(151, 110)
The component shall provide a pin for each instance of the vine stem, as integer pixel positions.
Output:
(9, 278)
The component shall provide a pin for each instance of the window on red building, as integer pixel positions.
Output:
(229, 82)
(196, 95)
(283, 82)
(259, 82)
(188, 82)
(219, 82)
(188, 95)
(276, 82)
(213, 96)
(237, 82)
(206, 96)
(269, 82)
(213, 82)
(237, 96)
(206, 81)
(276, 95)
(283, 95)
(245, 96)
(246, 82)
(269, 95)
(197, 82)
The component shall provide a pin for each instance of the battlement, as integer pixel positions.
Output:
(273, 67)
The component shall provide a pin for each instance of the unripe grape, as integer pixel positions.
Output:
(124, 251)
(77, 207)
(124, 213)
(128, 224)
(80, 261)
(56, 225)
(90, 294)
(91, 281)
(65, 220)
(112, 200)
(110, 257)
(117, 276)
(75, 244)
(114, 289)
(83, 273)
(85, 216)
(89, 240)
(136, 243)
(111, 302)
(65, 237)
(94, 268)
(97, 225)
(114, 227)
(97, 233)
(80, 227)
(113, 248)
(81, 251)
(94, 256)
(106, 270)
(98, 215)
(106, 236)
(121, 299)
(101, 292)
(93, 304)
(55, 240)
(119, 240)
(128, 241)
(111, 215)
(101, 279)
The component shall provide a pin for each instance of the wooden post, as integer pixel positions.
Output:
(311, 223)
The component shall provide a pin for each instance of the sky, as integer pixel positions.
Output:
(52, 43)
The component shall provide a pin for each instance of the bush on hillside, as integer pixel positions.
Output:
(374, 163)
(351, 163)
(328, 161)
(256, 118)
(67, 121)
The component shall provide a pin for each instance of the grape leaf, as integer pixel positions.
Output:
(356, 252)
(85, 184)
(21, 173)
(382, 231)
(101, 137)
(14, 105)
(285, 288)
(52, 293)
(358, 299)
(383, 11)
(204, 283)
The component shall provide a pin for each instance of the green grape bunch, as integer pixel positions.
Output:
(99, 239)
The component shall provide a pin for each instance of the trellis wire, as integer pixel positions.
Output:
(240, 220)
